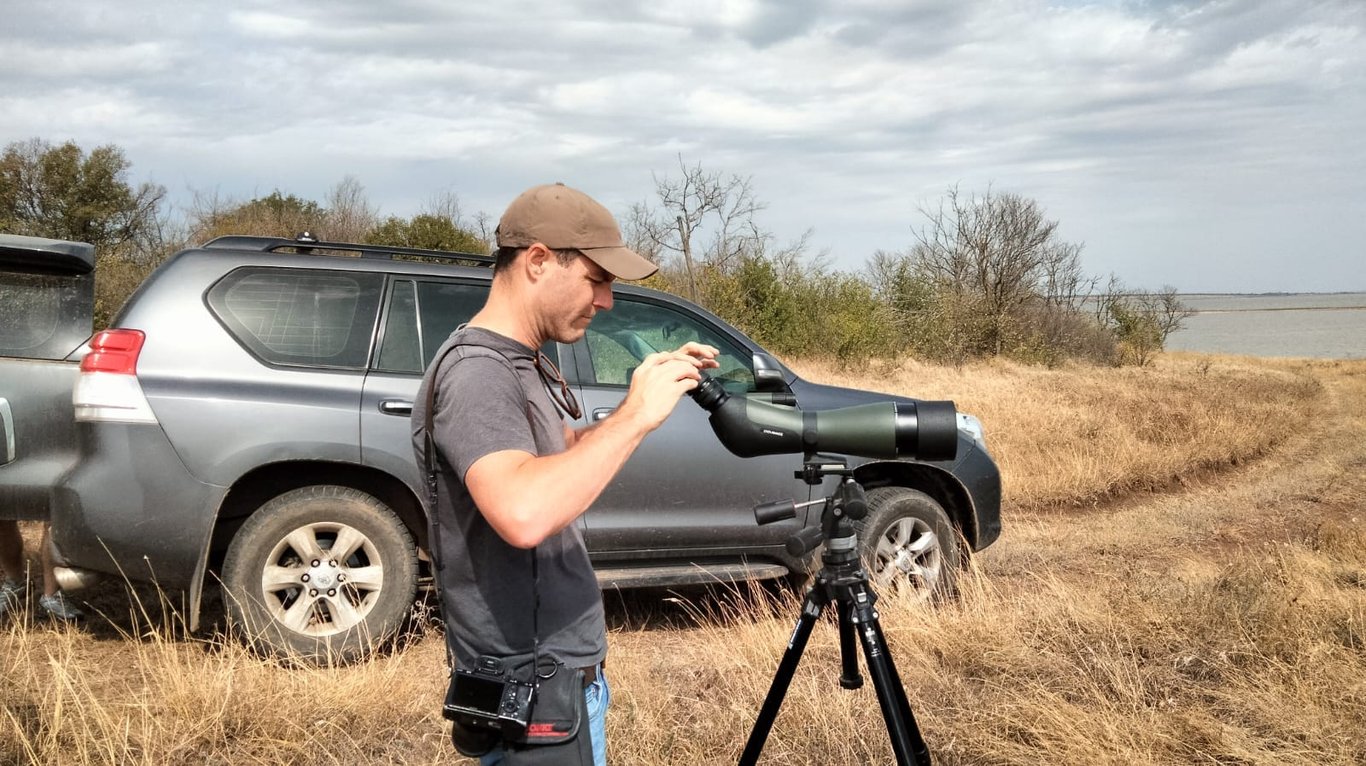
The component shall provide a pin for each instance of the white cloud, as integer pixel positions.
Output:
(727, 14)
(61, 61)
(270, 25)
(847, 115)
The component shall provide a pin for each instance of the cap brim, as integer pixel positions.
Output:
(621, 262)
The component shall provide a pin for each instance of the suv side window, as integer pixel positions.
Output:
(618, 339)
(421, 316)
(400, 349)
(300, 317)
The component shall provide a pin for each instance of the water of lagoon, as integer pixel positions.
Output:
(1323, 325)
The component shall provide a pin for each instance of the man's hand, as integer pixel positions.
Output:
(704, 354)
(661, 379)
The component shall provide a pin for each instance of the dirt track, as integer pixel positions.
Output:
(1319, 474)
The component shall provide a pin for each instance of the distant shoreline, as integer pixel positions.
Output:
(1266, 295)
(1283, 308)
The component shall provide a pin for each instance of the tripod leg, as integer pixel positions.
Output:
(907, 742)
(811, 611)
(850, 678)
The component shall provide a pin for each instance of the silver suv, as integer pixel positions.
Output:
(246, 418)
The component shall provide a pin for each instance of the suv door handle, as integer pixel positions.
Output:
(602, 412)
(396, 407)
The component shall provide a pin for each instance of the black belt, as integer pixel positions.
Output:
(590, 674)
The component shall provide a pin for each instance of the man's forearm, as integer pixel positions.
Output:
(532, 498)
(573, 435)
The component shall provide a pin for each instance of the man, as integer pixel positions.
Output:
(512, 475)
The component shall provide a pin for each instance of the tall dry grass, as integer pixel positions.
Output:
(1223, 624)
(1079, 434)
(1255, 662)
(147, 696)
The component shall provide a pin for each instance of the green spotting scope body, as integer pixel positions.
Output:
(749, 427)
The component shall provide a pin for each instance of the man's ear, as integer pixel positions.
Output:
(535, 260)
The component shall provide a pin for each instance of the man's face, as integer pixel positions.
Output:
(573, 293)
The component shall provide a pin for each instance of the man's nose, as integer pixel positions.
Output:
(602, 298)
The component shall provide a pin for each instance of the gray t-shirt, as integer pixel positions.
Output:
(489, 399)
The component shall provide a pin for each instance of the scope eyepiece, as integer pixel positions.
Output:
(710, 393)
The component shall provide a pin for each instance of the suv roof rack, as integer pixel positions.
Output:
(305, 243)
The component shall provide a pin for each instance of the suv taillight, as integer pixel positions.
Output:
(114, 351)
(107, 390)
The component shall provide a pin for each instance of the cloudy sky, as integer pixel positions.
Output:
(1214, 146)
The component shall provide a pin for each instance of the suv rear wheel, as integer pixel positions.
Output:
(320, 573)
(907, 541)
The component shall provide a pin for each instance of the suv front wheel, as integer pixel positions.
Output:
(320, 573)
(907, 541)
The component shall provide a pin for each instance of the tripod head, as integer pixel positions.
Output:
(845, 505)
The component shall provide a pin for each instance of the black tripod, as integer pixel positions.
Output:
(842, 580)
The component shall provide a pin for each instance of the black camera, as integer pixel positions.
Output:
(489, 698)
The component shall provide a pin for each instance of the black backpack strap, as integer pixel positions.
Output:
(429, 446)
(429, 465)
(429, 440)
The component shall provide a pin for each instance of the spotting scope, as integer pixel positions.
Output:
(749, 427)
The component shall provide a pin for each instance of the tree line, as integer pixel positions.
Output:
(985, 275)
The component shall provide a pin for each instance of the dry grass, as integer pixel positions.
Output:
(1080, 434)
(1256, 662)
(1219, 621)
(79, 697)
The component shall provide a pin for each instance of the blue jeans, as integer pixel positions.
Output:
(597, 695)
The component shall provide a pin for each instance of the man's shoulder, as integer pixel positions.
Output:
(473, 365)
(474, 337)
(472, 344)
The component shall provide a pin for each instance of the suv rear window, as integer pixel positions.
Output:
(43, 316)
(300, 317)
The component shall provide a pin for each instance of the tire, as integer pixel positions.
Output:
(908, 543)
(289, 597)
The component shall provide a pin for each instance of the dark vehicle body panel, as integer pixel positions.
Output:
(136, 511)
(47, 290)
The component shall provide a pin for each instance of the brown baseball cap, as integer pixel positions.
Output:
(562, 218)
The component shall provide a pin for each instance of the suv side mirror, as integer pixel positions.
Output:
(769, 376)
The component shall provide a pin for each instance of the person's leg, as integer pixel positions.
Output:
(54, 600)
(598, 695)
(49, 569)
(492, 757)
(12, 580)
(11, 552)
